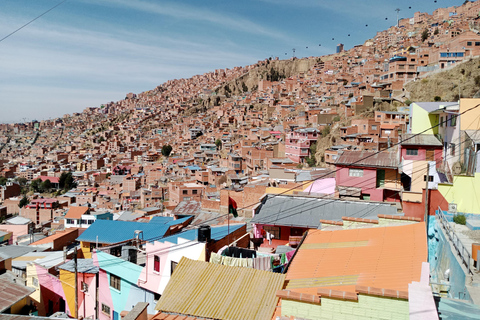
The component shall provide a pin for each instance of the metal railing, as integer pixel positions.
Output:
(462, 251)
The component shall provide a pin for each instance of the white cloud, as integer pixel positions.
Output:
(187, 13)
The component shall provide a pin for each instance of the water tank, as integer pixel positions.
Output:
(204, 233)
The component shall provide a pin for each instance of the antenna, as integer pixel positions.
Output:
(293, 52)
(398, 10)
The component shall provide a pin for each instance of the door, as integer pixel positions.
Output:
(62, 305)
(380, 178)
(430, 155)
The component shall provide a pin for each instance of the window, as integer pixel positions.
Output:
(469, 43)
(452, 149)
(173, 265)
(273, 230)
(194, 191)
(105, 309)
(156, 263)
(115, 282)
(70, 221)
(412, 152)
(453, 121)
(186, 198)
(355, 172)
(477, 43)
(430, 178)
(116, 251)
(185, 192)
(83, 221)
(441, 122)
(35, 282)
(90, 221)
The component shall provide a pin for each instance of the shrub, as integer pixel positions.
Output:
(336, 119)
(460, 219)
(408, 102)
(437, 98)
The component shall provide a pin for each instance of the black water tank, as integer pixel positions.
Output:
(204, 233)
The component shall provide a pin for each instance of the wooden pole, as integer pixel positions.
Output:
(426, 196)
(228, 219)
(76, 283)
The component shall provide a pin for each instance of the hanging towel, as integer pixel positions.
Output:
(215, 258)
(289, 255)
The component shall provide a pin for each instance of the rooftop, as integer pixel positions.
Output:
(385, 257)
(410, 139)
(306, 212)
(202, 289)
(373, 159)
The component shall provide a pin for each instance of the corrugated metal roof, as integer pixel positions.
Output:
(161, 220)
(109, 231)
(217, 233)
(307, 212)
(191, 207)
(11, 293)
(364, 158)
(83, 266)
(385, 257)
(410, 139)
(203, 289)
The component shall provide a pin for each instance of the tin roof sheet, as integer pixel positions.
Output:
(296, 211)
(365, 158)
(109, 231)
(385, 257)
(410, 139)
(11, 293)
(202, 289)
(83, 266)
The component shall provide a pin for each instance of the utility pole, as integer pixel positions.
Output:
(426, 195)
(76, 283)
(398, 10)
(293, 52)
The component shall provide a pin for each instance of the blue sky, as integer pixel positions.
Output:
(88, 52)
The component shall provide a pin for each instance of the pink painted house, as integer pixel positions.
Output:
(368, 175)
(298, 142)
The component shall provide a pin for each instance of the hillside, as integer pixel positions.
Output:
(462, 81)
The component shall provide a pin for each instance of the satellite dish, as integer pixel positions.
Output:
(457, 168)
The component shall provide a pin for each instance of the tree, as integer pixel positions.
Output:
(45, 186)
(22, 181)
(66, 181)
(166, 150)
(312, 160)
(425, 34)
(244, 87)
(436, 31)
(23, 202)
(35, 185)
(218, 143)
(3, 181)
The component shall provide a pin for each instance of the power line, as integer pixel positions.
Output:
(37, 17)
(290, 189)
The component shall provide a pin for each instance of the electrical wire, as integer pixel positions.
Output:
(37, 17)
(290, 189)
